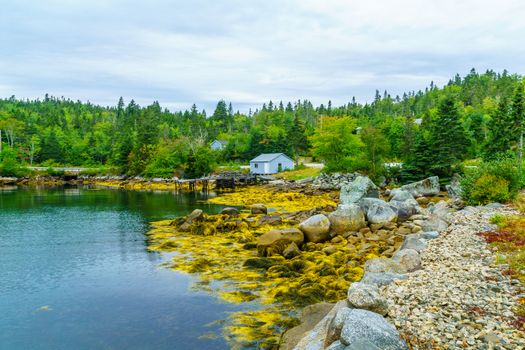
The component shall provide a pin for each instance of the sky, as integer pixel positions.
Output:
(249, 52)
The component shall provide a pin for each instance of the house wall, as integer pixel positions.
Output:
(260, 169)
(216, 146)
(286, 164)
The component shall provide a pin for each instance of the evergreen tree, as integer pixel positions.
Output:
(501, 132)
(297, 138)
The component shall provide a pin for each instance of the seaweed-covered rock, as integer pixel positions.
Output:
(196, 215)
(366, 327)
(346, 218)
(316, 228)
(360, 188)
(272, 220)
(258, 209)
(291, 251)
(408, 259)
(366, 296)
(377, 211)
(276, 241)
(230, 211)
(426, 187)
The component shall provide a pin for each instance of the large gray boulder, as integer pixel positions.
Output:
(408, 259)
(361, 187)
(454, 188)
(398, 194)
(415, 242)
(366, 296)
(383, 265)
(347, 218)
(404, 205)
(426, 187)
(382, 278)
(364, 327)
(316, 228)
(434, 224)
(377, 211)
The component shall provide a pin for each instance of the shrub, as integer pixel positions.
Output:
(495, 181)
(55, 172)
(9, 164)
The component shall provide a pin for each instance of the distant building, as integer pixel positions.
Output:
(418, 121)
(271, 163)
(218, 145)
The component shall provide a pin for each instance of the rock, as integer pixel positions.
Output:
(276, 241)
(381, 278)
(315, 339)
(272, 220)
(316, 228)
(415, 242)
(454, 187)
(434, 224)
(366, 327)
(259, 263)
(426, 187)
(422, 200)
(377, 211)
(366, 296)
(404, 208)
(400, 195)
(429, 235)
(258, 209)
(230, 211)
(494, 206)
(196, 215)
(360, 188)
(185, 227)
(329, 250)
(336, 326)
(383, 265)
(347, 218)
(291, 251)
(408, 259)
(310, 316)
(337, 345)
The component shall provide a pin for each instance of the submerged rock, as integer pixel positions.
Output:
(361, 187)
(362, 327)
(258, 209)
(316, 228)
(426, 187)
(366, 296)
(377, 211)
(276, 241)
(346, 218)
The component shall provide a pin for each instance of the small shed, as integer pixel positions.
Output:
(218, 145)
(271, 163)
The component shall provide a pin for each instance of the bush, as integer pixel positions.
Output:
(55, 172)
(9, 164)
(495, 181)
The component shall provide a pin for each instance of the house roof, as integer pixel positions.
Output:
(268, 157)
(222, 142)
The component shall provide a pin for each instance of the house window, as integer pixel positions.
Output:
(256, 165)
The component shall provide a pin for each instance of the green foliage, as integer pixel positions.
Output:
(495, 181)
(498, 219)
(10, 165)
(200, 162)
(54, 172)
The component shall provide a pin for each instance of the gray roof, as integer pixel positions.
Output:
(268, 157)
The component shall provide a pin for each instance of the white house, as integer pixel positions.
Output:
(218, 145)
(271, 163)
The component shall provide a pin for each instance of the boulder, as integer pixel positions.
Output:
(422, 200)
(291, 251)
(196, 215)
(270, 220)
(441, 210)
(383, 265)
(429, 235)
(398, 194)
(360, 188)
(426, 187)
(336, 326)
(349, 217)
(454, 187)
(434, 224)
(362, 327)
(230, 211)
(404, 208)
(415, 242)
(258, 209)
(382, 278)
(408, 259)
(366, 296)
(316, 228)
(337, 345)
(276, 241)
(377, 211)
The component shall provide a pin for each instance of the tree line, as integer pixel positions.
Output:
(429, 131)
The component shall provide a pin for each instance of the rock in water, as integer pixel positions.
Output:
(276, 241)
(363, 327)
(347, 218)
(230, 211)
(377, 211)
(196, 215)
(426, 187)
(258, 209)
(360, 188)
(366, 296)
(316, 228)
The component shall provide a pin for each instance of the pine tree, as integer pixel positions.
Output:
(297, 138)
(500, 131)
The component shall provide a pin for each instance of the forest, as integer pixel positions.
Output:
(471, 120)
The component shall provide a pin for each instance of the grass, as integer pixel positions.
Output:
(300, 173)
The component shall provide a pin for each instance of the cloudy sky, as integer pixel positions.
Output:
(251, 51)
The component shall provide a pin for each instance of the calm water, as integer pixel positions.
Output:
(75, 274)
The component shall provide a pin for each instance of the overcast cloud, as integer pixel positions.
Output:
(248, 52)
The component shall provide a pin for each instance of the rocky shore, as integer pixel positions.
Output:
(440, 290)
